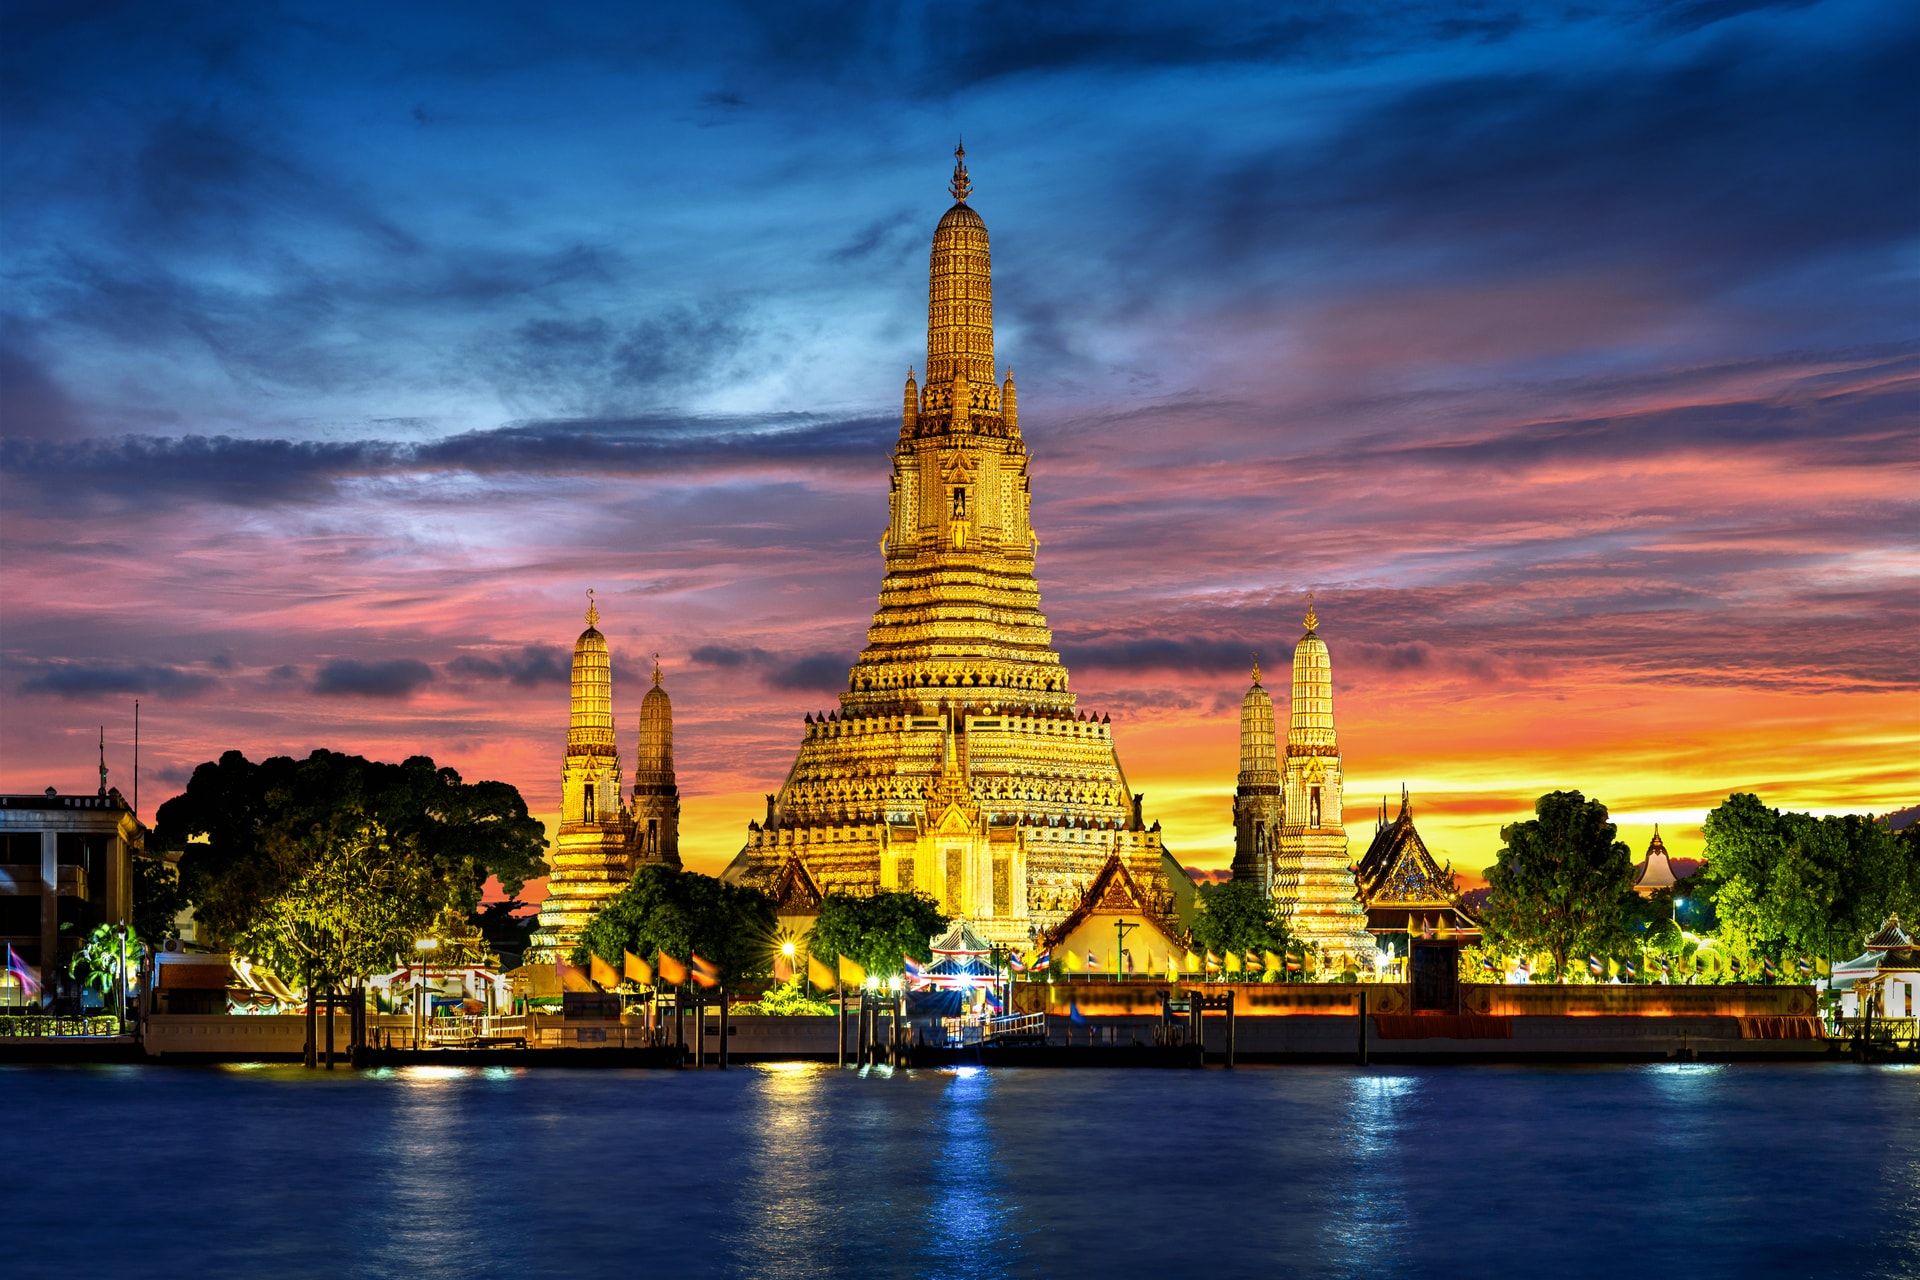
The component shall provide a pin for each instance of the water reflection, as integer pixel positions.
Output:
(1369, 1201)
(966, 1215)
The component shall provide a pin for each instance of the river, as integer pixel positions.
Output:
(1689, 1171)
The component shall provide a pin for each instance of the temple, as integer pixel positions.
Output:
(1259, 805)
(601, 839)
(1312, 878)
(1402, 889)
(958, 762)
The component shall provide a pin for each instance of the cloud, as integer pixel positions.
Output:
(392, 678)
(532, 666)
(1164, 654)
(93, 679)
(824, 672)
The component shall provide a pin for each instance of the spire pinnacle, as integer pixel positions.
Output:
(593, 610)
(1256, 668)
(103, 760)
(961, 187)
(1313, 619)
(656, 671)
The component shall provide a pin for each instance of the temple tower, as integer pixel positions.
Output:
(589, 859)
(1259, 809)
(1312, 878)
(958, 762)
(656, 800)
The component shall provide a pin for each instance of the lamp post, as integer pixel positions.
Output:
(788, 950)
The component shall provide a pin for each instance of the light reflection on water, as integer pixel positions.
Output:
(813, 1171)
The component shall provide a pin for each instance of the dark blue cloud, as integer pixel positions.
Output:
(95, 679)
(392, 678)
(531, 667)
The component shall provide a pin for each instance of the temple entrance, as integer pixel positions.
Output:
(1434, 971)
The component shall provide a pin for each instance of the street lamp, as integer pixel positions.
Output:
(421, 945)
(788, 950)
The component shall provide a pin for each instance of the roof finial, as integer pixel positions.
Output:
(593, 610)
(1256, 667)
(961, 186)
(103, 760)
(656, 671)
(1313, 619)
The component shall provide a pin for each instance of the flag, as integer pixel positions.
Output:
(1523, 966)
(1070, 960)
(1822, 968)
(1413, 930)
(1593, 964)
(1213, 963)
(672, 972)
(25, 974)
(1015, 963)
(1233, 963)
(820, 973)
(1666, 968)
(1253, 961)
(1733, 963)
(782, 968)
(1193, 962)
(1803, 966)
(1486, 962)
(571, 979)
(1073, 1010)
(1628, 969)
(851, 973)
(914, 969)
(1093, 961)
(994, 1003)
(705, 972)
(1042, 961)
(1173, 968)
(605, 976)
(639, 970)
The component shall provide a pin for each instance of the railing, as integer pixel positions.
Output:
(43, 1024)
(1900, 1033)
(1019, 1026)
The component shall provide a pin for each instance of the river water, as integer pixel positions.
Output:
(1683, 1170)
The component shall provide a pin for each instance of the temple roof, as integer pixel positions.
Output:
(1113, 890)
(1891, 937)
(1397, 870)
(795, 891)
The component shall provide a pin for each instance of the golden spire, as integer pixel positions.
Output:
(1256, 668)
(656, 671)
(962, 186)
(1313, 619)
(593, 610)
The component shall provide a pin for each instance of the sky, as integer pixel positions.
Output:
(1567, 353)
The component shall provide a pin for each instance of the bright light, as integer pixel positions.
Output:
(786, 949)
(873, 983)
(893, 983)
(427, 944)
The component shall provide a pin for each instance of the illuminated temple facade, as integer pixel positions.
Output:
(602, 836)
(958, 762)
(1289, 832)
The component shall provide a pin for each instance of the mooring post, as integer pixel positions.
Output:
(1229, 1030)
(330, 1000)
(840, 1047)
(1363, 1026)
(726, 1031)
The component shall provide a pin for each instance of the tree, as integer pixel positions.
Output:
(100, 955)
(1238, 917)
(1561, 881)
(346, 899)
(878, 930)
(157, 899)
(236, 819)
(1790, 884)
(683, 913)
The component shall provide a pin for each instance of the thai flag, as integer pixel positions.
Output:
(994, 1002)
(25, 974)
(1594, 966)
(915, 969)
(1093, 961)
(1043, 961)
(1015, 963)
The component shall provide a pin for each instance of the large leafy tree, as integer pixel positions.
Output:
(1562, 881)
(348, 898)
(237, 818)
(1238, 917)
(878, 930)
(157, 898)
(683, 913)
(1787, 884)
